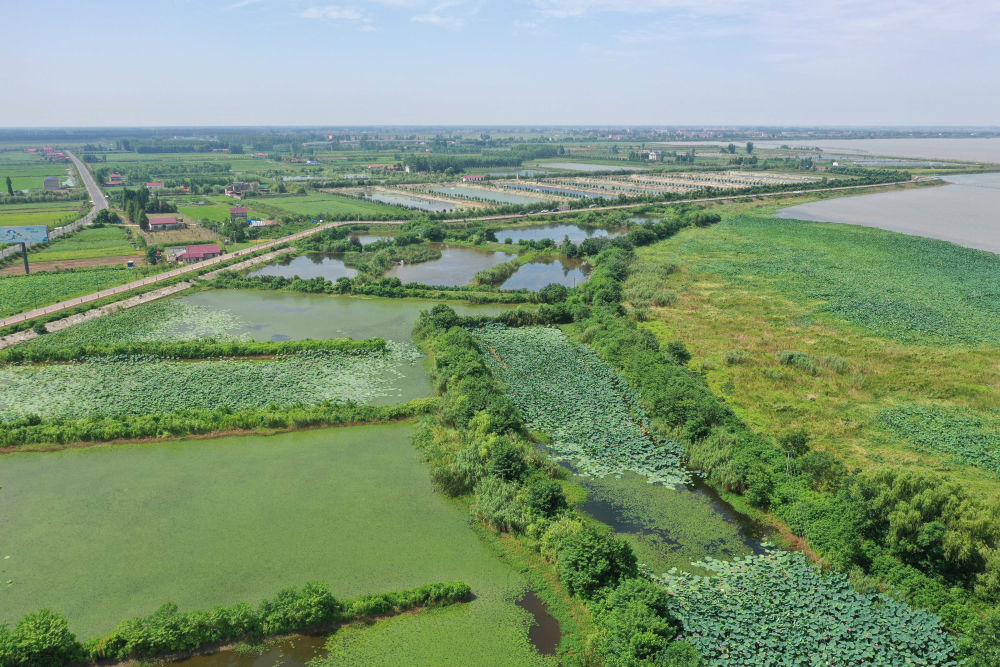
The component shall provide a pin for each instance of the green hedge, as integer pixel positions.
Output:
(188, 349)
(43, 638)
(59, 431)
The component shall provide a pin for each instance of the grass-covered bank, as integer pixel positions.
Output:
(44, 637)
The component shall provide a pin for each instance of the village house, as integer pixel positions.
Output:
(159, 223)
(655, 155)
(473, 178)
(197, 253)
(114, 179)
(155, 185)
(238, 189)
(52, 184)
(238, 214)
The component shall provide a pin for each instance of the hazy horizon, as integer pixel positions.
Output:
(367, 63)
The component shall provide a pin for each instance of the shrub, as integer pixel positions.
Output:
(506, 462)
(545, 496)
(40, 639)
(799, 360)
(678, 351)
(589, 561)
(734, 357)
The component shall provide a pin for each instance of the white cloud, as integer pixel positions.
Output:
(437, 17)
(332, 13)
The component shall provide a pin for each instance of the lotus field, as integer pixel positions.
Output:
(588, 410)
(169, 319)
(144, 385)
(940, 430)
(776, 609)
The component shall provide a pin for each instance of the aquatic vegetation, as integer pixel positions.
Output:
(937, 429)
(143, 384)
(776, 609)
(591, 413)
(903, 287)
(170, 319)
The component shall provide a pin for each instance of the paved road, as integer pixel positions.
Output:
(100, 203)
(190, 268)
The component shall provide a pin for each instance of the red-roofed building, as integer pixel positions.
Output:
(473, 178)
(155, 185)
(197, 253)
(238, 213)
(159, 223)
(115, 179)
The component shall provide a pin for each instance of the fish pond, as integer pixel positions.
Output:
(309, 265)
(410, 201)
(548, 189)
(536, 275)
(112, 532)
(485, 195)
(588, 166)
(456, 266)
(555, 231)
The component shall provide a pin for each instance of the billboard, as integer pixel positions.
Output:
(24, 234)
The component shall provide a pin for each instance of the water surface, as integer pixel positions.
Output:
(964, 212)
(485, 195)
(456, 266)
(395, 199)
(555, 231)
(536, 275)
(309, 265)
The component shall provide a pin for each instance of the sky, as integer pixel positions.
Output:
(477, 62)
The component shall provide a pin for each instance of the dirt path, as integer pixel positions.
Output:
(62, 264)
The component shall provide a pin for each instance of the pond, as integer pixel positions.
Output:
(555, 231)
(963, 212)
(553, 190)
(536, 275)
(456, 266)
(485, 195)
(670, 527)
(309, 265)
(588, 166)
(267, 315)
(409, 201)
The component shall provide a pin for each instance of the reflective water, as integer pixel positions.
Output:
(395, 199)
(552, 190)
(963, 212)
(536, 275)
(485, 195)
(587, 166)
(309, 265)
(555, 231)
(457, 266)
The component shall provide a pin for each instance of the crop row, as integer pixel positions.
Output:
(590, 412)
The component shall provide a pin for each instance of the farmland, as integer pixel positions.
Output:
(50, 214)
(277, 520)
(87, 243)
(329, 206)
(22, 293)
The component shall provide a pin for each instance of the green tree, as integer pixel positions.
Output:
(749, 147)
(41, 639)
(10, 187)
(142, 220)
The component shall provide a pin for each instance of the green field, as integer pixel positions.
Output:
(795, 341)
(319, 205)
(28, 170)
(903, 287)
(51, 214)
(22, 293)
(107, 533)
(87, 243)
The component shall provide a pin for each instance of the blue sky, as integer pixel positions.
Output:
(297, 62)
